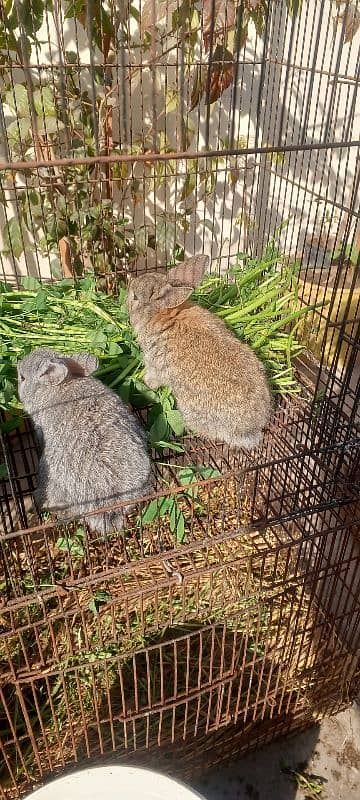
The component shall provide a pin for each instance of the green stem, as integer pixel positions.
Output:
(131, 365)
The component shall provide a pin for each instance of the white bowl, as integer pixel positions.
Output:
(115, 783)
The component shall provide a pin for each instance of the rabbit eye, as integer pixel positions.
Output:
(22, 377)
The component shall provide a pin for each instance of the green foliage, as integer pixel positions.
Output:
(79, 318)
(13, 237)
(312, 786)
(100, 598)
(69, 213)
(74, 544)
(351, 255)
(260, 304)
(169, 507)
(258, 300)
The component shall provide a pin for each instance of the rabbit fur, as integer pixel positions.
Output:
(93, 449)
(219, 383)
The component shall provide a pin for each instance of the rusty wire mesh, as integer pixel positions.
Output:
(144, 116)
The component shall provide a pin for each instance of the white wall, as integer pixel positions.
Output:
(312, 101)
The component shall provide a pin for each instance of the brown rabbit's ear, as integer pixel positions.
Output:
(190, 272)
(82, 364)
(173, 296)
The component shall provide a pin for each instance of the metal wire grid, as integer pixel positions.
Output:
(260, 71)
(282, 586)
(193, 682)
(301, 455)
(312, 130)
(300, 491)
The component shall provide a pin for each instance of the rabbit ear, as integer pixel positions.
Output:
(173, 296)
(190, 272)
(55, 372)
(82, 364)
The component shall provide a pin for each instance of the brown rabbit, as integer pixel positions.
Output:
(219, 383)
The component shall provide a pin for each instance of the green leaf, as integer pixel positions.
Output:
(19, 129)
(189, 185)
(176, 422)
(72, 545)
(49, 126)
(188, 131)
(177, 521)
(208, 472)
(44, 101)
(32, 14)
(114, 349)
(13, 237)
(17, 100)
(174, 511)
(73, 8)
(30, 283)
(171, 100)
(177, 448)
(156, 508)
(150, 512)
(99, 340)
(41, 300)
(159, 428)
(100, 598)
(143, 396)
(10, 424)
(134, 13)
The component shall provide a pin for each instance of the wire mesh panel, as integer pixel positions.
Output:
(227, 612)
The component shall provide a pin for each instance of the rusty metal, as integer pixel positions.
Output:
(139, 647)
(179, 156)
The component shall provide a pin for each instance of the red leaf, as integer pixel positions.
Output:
(224, 19)
(221, 72)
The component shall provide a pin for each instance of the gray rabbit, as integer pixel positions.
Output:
(93, 449)
(219, 383)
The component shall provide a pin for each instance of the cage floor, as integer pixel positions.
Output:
(141, 644)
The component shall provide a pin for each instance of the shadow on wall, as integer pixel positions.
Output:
(223, 206)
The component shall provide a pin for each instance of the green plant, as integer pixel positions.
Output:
(312, 786)
(73, 544)
(258, 300)
(260, 303)
(169, 507)
(100, 598)
(73, 318)
(351, 255)
(80, 217)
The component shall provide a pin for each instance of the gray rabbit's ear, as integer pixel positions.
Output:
(55, 372)
(190, 272)
(173, 296)
(82, 364)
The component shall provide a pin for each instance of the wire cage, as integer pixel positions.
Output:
(132, 136)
